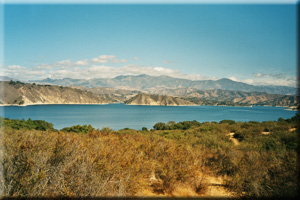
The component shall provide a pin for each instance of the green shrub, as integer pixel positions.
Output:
(78, 129)
(227, 121)
(27, 124)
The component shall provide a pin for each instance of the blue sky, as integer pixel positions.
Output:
(255, 44)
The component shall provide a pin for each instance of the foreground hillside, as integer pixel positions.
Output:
(229, 158)
(18, 93)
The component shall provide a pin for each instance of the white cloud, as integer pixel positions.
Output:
(258, 75)
(99, 60)
(233, 78)
(168, 62)
(249, 81)
(22, 73)
(56, 65)
(119, 61)
(43, 67)
(82, 62)
(110, 72)
(14, 67)
(82, 69)
(64, 62)
(268, 79)
(108, 58)
(135, 58)
(59, 70)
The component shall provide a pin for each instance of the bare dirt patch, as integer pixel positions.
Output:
(211, 186)
(216, 188)
(266, 133)
(234, 140)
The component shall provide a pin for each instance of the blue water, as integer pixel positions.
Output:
(118, 116)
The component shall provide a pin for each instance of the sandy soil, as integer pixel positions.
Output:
(234, 140)
(213, 188)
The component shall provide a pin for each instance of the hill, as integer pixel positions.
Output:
(119, 95)
(213, 97)
(18, 93)
(157, 100)
(234, 97)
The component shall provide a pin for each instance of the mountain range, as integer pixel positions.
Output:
(148, 83)
(18, 93)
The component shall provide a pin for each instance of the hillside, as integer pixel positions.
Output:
(147, 83)
(119, 95)
(214, 97)
(240, 97)
(157, 100)
(18, 93)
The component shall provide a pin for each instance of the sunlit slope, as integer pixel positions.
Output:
(17, 93)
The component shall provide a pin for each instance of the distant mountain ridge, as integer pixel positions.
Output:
(147, 83)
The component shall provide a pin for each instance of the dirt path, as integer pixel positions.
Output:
(216, 188)
(213, 187)
(234, 140)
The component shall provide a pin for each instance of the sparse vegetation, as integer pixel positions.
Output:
(41, 161)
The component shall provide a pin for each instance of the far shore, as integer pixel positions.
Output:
(249, 106)
(40, 104)
(187, 105)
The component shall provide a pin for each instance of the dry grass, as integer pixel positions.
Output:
(152, 163)
(66, 164)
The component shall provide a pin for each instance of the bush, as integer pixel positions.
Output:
(122, 163)
(78, 129)
(227, 121)
(67, 164)
(27, 125)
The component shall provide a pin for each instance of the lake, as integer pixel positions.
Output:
(118, 116)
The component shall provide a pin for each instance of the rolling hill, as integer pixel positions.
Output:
(18, 93)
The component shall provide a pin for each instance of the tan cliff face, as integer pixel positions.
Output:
(16, 93)
(157, 100)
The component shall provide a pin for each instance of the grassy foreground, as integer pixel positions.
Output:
(169, 160)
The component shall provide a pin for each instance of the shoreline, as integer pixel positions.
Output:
(185, 105)
(45, 104)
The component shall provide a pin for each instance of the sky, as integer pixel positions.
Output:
(252, 43)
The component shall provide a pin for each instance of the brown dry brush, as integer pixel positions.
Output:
(125, 162)
(51, 164)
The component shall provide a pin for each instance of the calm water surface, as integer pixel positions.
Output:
(118, 116)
